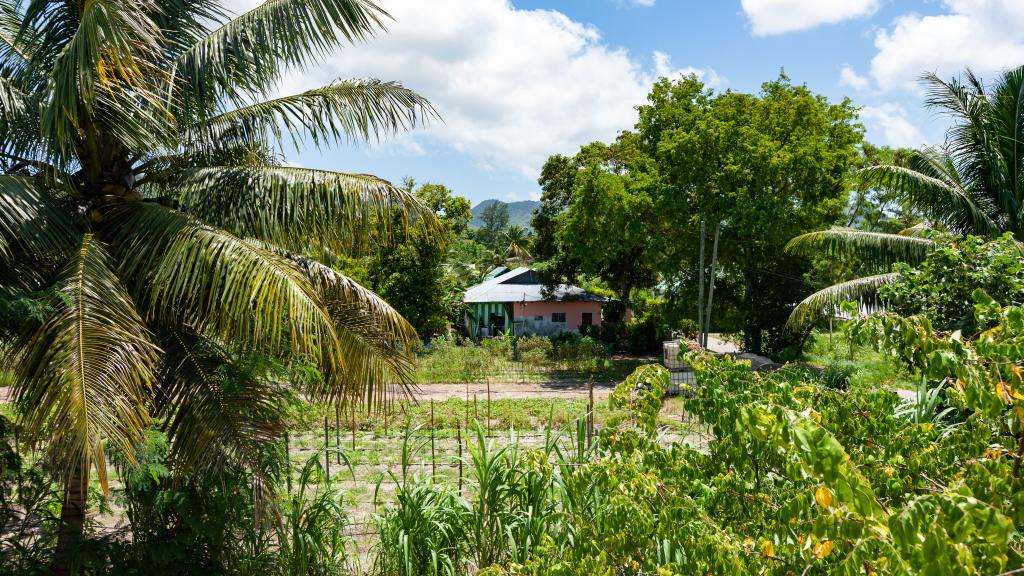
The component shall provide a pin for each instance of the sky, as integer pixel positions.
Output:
(515, 81)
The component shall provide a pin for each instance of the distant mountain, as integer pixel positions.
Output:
(518, 212)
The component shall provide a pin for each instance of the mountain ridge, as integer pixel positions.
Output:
(520, 212)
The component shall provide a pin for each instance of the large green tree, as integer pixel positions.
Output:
(767, 166)
(973, 184)
(412, 273)
(597, 217)
(141, 188)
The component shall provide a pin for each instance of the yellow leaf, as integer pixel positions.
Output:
(768, 549)
(823, 496)
(823, 549)
(888, 471)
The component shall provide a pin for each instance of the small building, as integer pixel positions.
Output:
(515, 299)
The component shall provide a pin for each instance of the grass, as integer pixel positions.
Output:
(525, 360)
(867, 367)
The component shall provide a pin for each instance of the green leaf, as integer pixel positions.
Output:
(84, 375)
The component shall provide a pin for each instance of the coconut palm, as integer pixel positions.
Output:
(517, 236)
(141, 188)
(974, 184)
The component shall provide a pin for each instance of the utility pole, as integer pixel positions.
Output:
(711, 284)
(700, 289)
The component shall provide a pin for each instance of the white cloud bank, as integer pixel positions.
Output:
(890, 120)
(986, 35)
(513, 86)
(768, 17)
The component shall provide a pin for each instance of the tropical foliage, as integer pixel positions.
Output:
(143, 197)
(941, 287)
(971, 185)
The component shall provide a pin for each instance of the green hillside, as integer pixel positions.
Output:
(518, 212)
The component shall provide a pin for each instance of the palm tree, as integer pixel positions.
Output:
(140, 187)
(974, 184)
(517, 236)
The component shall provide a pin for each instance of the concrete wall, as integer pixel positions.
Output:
(526, 312)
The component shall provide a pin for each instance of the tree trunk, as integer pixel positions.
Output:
(72, 522)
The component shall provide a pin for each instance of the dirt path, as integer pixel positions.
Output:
(499, 390)
(513, 390)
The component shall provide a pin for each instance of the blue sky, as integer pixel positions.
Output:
(516, 81)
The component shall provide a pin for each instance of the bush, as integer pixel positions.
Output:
(687, 329)
(529, 344)
(940, 288)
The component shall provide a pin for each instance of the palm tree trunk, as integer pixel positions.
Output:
(72, 522)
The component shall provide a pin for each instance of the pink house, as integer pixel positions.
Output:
(515, 300)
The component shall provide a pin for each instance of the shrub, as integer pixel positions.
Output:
(530, 343)
(687, 329)
(940, 288)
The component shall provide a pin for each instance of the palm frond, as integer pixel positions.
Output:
(376, 341)
(931, 184)
(298, 208)
(30, 221)
(877, 248)
(828, 300)
(185, 272)
(353, 110)
(84, 374)
(247, 55)
(13, 102)
(16, 50)
(106, 63)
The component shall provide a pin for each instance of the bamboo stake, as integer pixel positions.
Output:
(353, 426)
(458, 436)
(327, 453)
(590, 413)
(433, 459)
(288, 461)
(337, 431)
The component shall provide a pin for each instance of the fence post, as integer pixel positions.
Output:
(590, 413)
(288, 461)
(327, 452)
(353, 426)
(458, 436)
(476, 412)
(387, 406)
(433, 458)
(337, 431)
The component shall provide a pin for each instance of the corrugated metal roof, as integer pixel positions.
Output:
(521, 285)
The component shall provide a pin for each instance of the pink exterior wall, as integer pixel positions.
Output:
(573, 311)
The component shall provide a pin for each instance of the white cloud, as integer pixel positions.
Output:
(889, 120)
(646, 3)
(663, 69)
(986, 35)
(849, 78)
(513, 86)
(769, 17)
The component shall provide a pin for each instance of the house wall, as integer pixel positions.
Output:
(527, 311)
(478, 318)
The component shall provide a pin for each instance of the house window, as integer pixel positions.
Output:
(588, 318)
(558, 317)
(538, 318)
